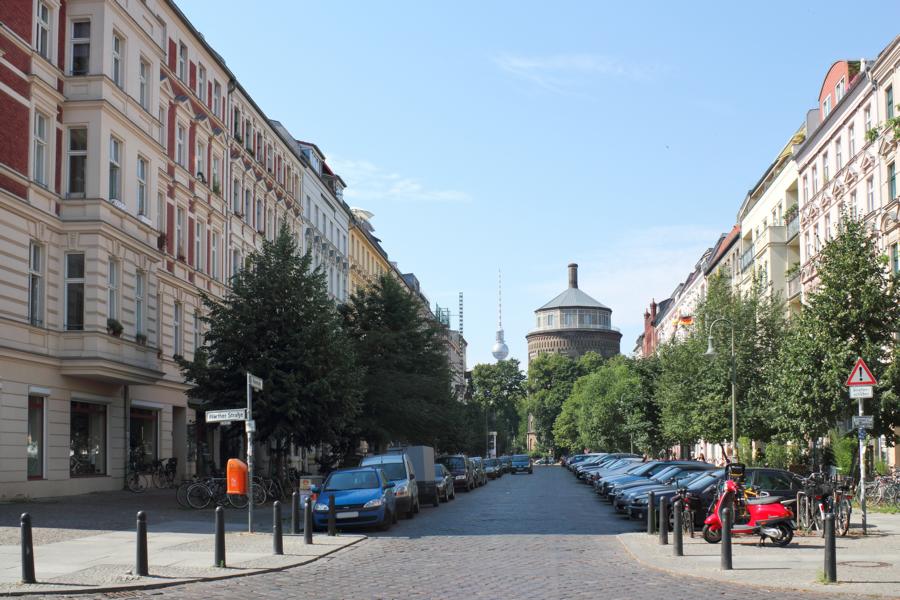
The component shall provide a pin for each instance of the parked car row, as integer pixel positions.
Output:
(625, 481)
(387, 486)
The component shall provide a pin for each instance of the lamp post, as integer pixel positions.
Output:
(710, 351)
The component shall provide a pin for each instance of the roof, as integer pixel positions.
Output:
(725, 243)
(572, 298)
(661, 309)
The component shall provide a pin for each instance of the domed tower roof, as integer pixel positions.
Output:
(573, 297)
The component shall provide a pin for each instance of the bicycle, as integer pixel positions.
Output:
(164, 475)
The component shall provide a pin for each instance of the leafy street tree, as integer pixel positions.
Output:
(499, 389)
(406, 381)
(642, 415)
(278, 322)
(853, 312)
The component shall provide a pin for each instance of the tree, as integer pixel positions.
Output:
(853, 312)
(406, 382)
(500, 391)
(642, 414)
(278, 323)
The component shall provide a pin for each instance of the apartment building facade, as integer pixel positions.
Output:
(135, 173)
(368, 260)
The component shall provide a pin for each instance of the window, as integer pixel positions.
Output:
(36, 284)
(870, 195)
(74, 318)
(551, 320)
(259, 217)
(851, 139)
(160, 212)
(40, 148)
(808, 246)
(839, 91)
(269, 228)
(117, 50)
(826, 106)
(197, 337)
(816, 239)
(198, 245)
(34, 442)
(825, 172)
(201, 162)
(144, 431)
(889, 101)
(179, 144)
(214, 254)
(201, 84)
(805, 188)
(176, 329)
(87, 455)
(182, 62)
(815, 180)
(115, 175)
(854, 208)
(867, 117)
(179, 232)
(142, 186)
(42, 33)
(81, 47)
(236, 196)
(828, 227)
(892, 181)
(143, 90)
(247, 200)
(235, 263)
(215, 174)
(838, 157)
(112, 290)
(217, 94)
(895, 258)
(139, 302)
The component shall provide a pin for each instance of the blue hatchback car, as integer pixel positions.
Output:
(362, 497)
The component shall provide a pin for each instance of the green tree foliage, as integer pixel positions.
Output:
(499, 389)
(642, 414)
(852, 313)
(278, 322)
(406, 382)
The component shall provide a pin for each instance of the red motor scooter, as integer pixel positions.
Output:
(767, 516)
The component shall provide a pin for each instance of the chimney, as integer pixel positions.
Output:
(573, 275)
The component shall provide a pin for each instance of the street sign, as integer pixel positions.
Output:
(251, 426)
(861, 375)
(864, 421)
(861, 391)
(255, 382)
(232, 414)
(862, 434)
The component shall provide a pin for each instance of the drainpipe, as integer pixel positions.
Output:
(126, 403)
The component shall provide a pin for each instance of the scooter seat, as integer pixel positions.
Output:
(765, 500)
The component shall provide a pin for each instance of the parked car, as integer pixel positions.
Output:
(362, 496)
(493, 468)
(506, 463)
(422, 459)
(604, 486)
(462, 470)
(443, 483)
(662, 480)
(399, 469)
(521, 463)
(481, 477)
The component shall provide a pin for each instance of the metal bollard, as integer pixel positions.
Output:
(663, 521)
(331, 516)
(830, 551)
(27, 550)
(308, 521)
(677, 541)
(651, 513)
(140, 559)
(726, 539)
(220, 538)
(277, 540)
(295, 513)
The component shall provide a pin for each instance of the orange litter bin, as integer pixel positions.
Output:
(236, 474)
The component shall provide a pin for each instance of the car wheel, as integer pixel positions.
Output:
(386, 522)
(394, 518)
(410, 513)
(437, 500)
(417, 506)
(530, 471)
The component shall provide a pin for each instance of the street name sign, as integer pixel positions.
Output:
(861, 391)
(232, 414)
(860, 374)
(255, 382)
(864, 422)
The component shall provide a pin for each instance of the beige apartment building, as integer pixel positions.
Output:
(135, 172)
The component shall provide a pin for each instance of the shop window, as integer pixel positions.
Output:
(144, 427)
(87, 445)
(35, 439)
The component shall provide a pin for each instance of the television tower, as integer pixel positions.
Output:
(500, 350)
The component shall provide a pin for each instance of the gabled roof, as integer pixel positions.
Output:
(573, 298)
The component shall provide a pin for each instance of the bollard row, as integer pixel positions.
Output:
(308, 521)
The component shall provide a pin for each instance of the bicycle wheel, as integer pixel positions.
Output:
(842, 518)
(160, 481)
(803, 520)
(198, 495)
(276, 491)
(238, 500)
(181, 493)
(259, 494)
(135, 483)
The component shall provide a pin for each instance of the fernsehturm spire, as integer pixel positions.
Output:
(500, 350)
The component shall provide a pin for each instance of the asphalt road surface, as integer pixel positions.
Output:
(523, 536)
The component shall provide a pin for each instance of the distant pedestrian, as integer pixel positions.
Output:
(701, 458)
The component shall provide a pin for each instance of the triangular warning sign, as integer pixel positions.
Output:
(861, 375)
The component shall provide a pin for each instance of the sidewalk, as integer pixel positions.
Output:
(87, 544)
(866, 565)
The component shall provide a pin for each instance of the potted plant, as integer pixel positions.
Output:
(141, 339)
(792, 270)
(791, 212)
(182, 257)
(114, 327)
(872, 134)
(161, 240)
(216, 189)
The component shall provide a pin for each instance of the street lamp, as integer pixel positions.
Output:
(711, 351)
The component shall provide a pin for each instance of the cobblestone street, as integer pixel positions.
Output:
(540, 536)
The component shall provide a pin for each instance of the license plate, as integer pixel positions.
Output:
(347, 515)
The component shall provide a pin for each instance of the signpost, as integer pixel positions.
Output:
(860, 383)
(226, 416)
(253, 383)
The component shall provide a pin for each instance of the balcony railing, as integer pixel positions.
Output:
(793, 227)
(747, 258)
(793, 286)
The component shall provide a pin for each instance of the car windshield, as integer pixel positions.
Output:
(438, 471)
(476, 461)
(520, 458)
(665, 473)
(454, 462)
(393, 470)
(705, 480)
(351, 480)
(491, 462)
(644, 469)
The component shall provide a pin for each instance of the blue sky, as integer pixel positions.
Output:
(526, 135)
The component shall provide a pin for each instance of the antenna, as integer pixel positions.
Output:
(499, 299)
(460, 314)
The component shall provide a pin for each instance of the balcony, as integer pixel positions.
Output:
(793, 286)
(747, 257)
(793, 227)
(98, 355)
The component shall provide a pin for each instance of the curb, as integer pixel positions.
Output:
(167, 584)
(755, 586)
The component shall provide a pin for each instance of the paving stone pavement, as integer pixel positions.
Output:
(524, 536)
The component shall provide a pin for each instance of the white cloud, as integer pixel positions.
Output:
(367, 181)
(560, 72)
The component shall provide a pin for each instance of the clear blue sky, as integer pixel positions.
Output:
(526, 135)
